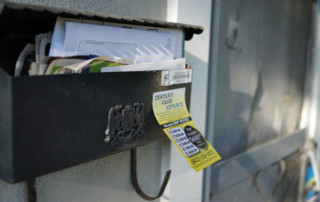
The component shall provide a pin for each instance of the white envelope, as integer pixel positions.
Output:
(143, 45)
(57, 44)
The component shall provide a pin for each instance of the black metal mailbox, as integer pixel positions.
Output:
(49, 123)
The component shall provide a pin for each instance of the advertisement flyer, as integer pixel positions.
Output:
(171, 112)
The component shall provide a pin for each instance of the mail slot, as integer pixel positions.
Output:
(52, 122)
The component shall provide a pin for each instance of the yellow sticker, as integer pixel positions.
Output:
(171, 112)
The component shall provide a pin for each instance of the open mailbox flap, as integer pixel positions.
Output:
(54, 122)
(189, 30)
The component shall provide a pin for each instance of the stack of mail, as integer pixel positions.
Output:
(91, 47)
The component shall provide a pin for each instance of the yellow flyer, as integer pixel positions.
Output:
(171, 112)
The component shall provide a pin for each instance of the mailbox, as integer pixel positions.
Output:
(52, 122)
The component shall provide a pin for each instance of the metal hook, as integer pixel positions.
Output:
(135, 183)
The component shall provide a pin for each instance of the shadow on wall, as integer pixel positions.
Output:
(260, 72)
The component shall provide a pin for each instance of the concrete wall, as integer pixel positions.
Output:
(13, 192)
(186, 185)
(106, 179)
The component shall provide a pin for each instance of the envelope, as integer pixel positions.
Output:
(103, 40)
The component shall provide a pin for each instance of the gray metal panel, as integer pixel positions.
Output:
(233, 170)
(236, 75)
(211, 90)
(276, 183)
(258, 53)
(261, 70)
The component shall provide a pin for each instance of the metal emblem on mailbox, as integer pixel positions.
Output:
(125, 123)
